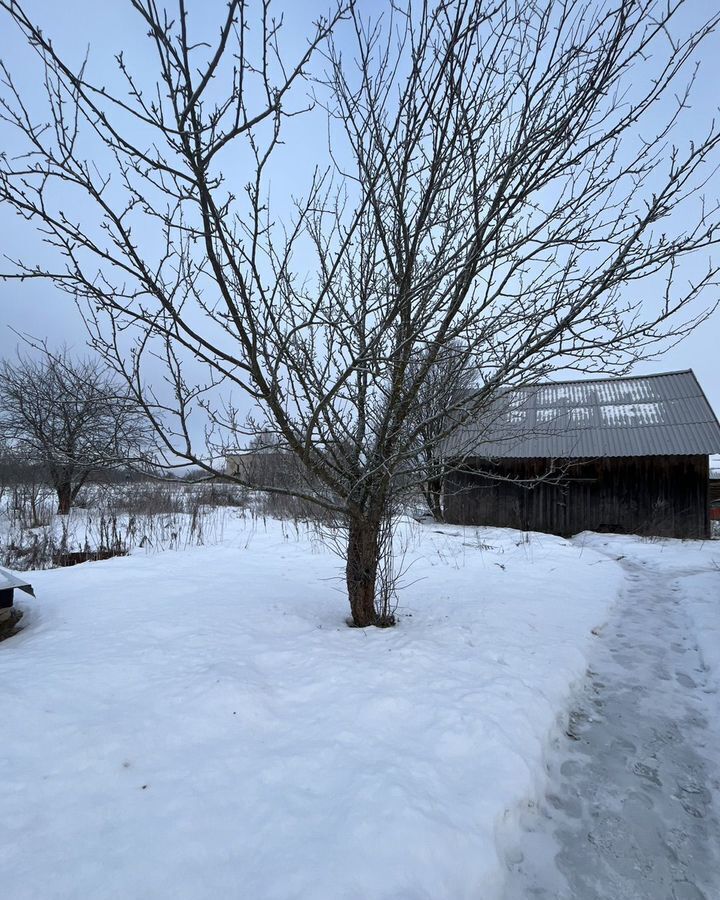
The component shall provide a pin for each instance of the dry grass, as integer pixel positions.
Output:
(112, 520)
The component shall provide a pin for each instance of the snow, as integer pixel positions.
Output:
(693, 567)
(591, 392)
(702, 597)
(201, 723)
(628, 811)
(632, 414)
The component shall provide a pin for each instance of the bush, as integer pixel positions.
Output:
(295, 509)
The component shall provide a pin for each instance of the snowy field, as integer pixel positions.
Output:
(201, 723)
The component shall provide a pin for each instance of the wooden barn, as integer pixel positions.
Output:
(627, 455)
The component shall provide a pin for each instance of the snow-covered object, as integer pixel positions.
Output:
(9, 581)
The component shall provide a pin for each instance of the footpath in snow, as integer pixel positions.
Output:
(629, 812)
(202, 724)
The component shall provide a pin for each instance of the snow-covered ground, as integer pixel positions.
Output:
(202, 723)
(629, 808)
(701, 594)
(694, 569)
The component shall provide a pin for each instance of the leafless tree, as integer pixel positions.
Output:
(447, 382)
(72, 418)
(503, 175)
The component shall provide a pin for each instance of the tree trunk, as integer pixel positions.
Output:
(433, 495)
(64, 494)
(361, 570)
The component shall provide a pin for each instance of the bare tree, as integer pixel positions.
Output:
(70, 417)
(499, 175)
(447, 382)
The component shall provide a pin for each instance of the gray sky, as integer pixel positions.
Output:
(43, 311)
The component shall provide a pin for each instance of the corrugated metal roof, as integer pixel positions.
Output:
(653, 415)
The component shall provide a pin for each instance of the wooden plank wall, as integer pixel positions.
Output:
(665, 495)
(715, 489)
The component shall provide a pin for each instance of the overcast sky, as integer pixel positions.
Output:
(43, 311)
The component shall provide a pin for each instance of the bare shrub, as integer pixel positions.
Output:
(291, 508)
(28, 550)
(30, 505)
(218, 494)
(147, 499)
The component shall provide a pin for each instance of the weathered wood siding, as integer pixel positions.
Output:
(663, 495)
(715, 490)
